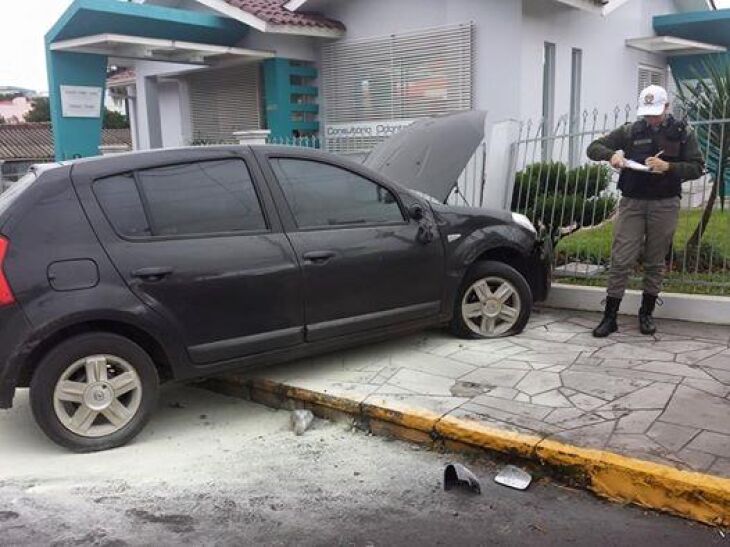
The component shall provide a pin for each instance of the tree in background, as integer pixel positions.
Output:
(2, 121)
(40, 111)
(115, 120)
(707, 100)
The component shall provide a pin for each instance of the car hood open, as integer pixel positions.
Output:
(430, 154)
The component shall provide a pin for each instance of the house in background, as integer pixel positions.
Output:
(13, 110)
(22, 145)
(351, 71)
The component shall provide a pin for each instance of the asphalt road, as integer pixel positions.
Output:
(212, 470)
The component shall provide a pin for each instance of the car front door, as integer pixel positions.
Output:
(363, 261)
(200, 243)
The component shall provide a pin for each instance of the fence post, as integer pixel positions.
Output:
(499, 179)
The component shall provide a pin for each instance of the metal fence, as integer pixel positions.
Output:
(554, 183)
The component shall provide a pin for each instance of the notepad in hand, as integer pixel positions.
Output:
(636, 166)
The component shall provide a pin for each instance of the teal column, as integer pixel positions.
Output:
(285, 113)
(75, 137)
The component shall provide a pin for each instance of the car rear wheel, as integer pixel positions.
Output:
(94, 392)
(494, 300)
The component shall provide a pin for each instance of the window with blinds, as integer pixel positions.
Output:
(398, 77)
(649, 75)
(223, 101)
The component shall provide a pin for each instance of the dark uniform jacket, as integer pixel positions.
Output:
(639, 141)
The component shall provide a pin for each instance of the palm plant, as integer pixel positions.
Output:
(706, 101)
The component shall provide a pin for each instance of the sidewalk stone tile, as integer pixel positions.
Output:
(353, 391)
(623, 363)
(551, 347)
(695, 357)
(637, 421)
(631, 374)
(713, 387)
(648, 398)
(720, 361)
(582, 420)
(566, 326)
(673, 437)
(587, 339)
(674, 369)
(513, 407)
(700, 331)
(594, 436)
(521, 397)
(556, 368)
(503, 393)
(721, 467)
(683, 346)
(695, 408)
(547, 359)
(600, 385)
(421, 382)
(711, 443)
(431, 364)
(719, 375)
(638, 445)
(495, 377)
(541, 333)
(552, 398)
(622, 350)
(539, 382)
(586, 402)
(699, 461)
(388, 389)
(476, 358)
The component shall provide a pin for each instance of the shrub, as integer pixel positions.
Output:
(551, 193)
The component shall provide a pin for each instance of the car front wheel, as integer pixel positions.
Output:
(94, 392)
(494, 300)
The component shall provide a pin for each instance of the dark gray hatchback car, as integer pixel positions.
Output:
(119, 273)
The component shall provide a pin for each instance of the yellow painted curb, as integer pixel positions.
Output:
(702, 497)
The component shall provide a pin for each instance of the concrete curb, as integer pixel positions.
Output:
(697, 496)
(685, 307)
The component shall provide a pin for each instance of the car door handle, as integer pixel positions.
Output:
(319, 257)
(152, 274)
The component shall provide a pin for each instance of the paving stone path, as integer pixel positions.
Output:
(664, 398)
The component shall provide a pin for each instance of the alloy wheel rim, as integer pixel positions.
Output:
(491, 306)
(97, 396)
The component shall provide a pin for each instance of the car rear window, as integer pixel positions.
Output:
(196, 198)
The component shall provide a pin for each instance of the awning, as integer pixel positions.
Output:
(121, 46)
(671, 45)
(707, 27)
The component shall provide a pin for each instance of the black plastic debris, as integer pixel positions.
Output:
(458, 476)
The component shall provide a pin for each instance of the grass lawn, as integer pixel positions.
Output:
(594, 245)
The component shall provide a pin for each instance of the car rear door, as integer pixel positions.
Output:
(196, 236)
(364, 264)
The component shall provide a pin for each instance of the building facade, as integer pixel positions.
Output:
(352, 72)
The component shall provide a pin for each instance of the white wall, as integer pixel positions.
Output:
(610, 69)
(498, 25)
(168, 93)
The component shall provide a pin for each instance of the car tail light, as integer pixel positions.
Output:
(6, 293)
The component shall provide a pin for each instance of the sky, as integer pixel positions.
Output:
(22, 54)
(25, 22)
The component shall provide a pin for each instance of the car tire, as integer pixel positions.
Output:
(494, 300)
(94, 392)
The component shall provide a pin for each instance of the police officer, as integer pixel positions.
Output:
(649, 206)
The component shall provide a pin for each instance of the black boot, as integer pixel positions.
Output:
(608, 324)
(646, 321)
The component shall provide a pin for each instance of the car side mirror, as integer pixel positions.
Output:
(415, 211)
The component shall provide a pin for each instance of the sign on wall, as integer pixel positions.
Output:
(79, 101)
(381, 128)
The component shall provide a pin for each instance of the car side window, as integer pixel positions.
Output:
(197, 198)
(120, 200)
(323, 195)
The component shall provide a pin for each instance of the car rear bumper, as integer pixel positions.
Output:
(540, 268)
(14, 330)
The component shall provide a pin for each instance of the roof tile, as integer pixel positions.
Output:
(274, 12)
